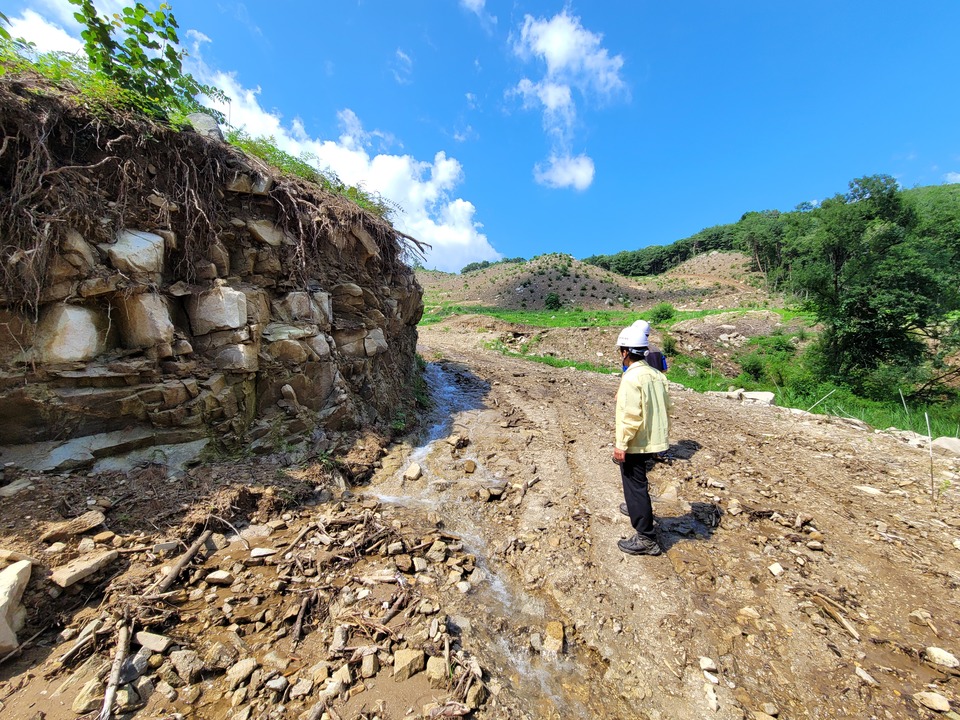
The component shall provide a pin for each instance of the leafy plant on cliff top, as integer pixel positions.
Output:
(147, 61)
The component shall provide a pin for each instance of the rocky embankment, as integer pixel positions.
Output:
(161, 288)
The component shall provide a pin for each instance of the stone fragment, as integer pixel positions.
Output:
(13, 581)
(947, 445)
(301, 688)
(220, 577)
(437, 552)
(469, 467)
(708, 664)
(237, 358)
(868, 490)
(407, 662)
(135, 251)
(375, 342)
(939, 656)
(776, 569)
(553, 637)
(278, 684)
(152, 641)
(83, 567)
(414, 472)
(370, 665)
(241, 672)
(476, 696)
(437, 672)
(865, 676)
(712, 701)
(187, 664)
(932, 700)
(89, 698)
(758, 398)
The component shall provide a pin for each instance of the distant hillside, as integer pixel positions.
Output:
(712, 280)
(937, 210)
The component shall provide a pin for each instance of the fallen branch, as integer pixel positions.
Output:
(184, 560)
(298, 625)
(123, 646)
(828, 606)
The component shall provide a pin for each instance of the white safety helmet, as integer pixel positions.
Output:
(635, 336)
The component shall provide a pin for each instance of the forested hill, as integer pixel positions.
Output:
(757, 234)
(878, 265)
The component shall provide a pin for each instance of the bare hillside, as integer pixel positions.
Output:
(708, 281)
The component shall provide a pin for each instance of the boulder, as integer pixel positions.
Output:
(311, 307)
(375, 342)
(135, 251)
(238, 358)
(221, 308)
(13, 581)
(144, 320)
(268, 233)
(206, 125)
(947, 445)
(70, 333)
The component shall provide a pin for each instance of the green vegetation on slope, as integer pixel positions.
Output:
(877, 265)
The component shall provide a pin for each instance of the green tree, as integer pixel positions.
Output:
(872, 285)
(147, 60)
(552, 301)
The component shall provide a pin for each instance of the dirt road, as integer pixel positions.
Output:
(797, 549)
(808, 572)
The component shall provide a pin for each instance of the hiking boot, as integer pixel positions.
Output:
(624, 511)
(639, 545)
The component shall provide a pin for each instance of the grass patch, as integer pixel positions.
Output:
(550, 360)
(557, 318)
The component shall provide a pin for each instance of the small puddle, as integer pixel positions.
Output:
(504, 621)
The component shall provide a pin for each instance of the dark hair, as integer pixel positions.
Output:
(635, 356)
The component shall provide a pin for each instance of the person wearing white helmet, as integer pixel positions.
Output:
(642, 431)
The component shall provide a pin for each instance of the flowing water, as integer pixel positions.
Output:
(503, 622)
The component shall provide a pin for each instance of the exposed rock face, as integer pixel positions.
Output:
(145, 318)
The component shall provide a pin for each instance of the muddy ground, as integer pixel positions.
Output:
(808, 570)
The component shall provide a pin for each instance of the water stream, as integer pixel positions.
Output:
(505, 621)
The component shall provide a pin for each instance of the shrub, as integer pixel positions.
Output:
(552, 301)
(669, 345)
(662, 312)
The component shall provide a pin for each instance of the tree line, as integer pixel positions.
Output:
(878, 266)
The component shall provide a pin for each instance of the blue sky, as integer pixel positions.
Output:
(518, 128)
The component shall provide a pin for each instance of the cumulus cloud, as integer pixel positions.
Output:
(573, 60)
(565, 172)
(424, 190)
(951, 177)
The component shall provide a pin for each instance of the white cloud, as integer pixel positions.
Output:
(47, 36)
(574, 59)
(477, 7)
(402, 67)
(952, 177)
(566, 172)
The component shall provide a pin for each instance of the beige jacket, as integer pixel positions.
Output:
(643, 410)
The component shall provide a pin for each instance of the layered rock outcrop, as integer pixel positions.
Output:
(168, 282)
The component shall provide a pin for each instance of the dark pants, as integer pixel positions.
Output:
(633, 473)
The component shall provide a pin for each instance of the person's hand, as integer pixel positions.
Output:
(619, 455)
